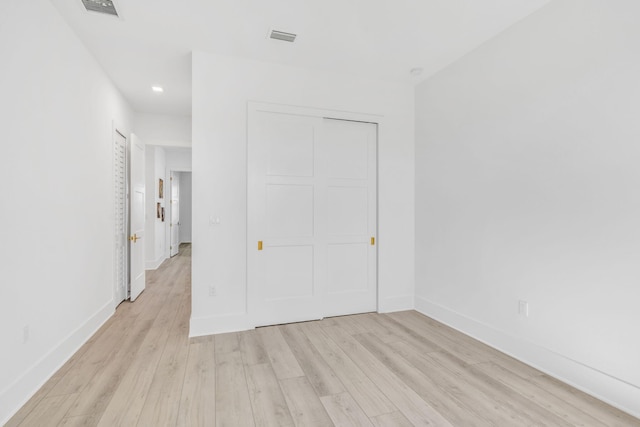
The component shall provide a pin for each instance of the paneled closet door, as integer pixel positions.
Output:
(311, 217)
(351, 277)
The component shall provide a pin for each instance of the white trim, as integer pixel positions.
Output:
(219, 324)
(397, 303)
(153, 265)
(14, 396)
(615, 392)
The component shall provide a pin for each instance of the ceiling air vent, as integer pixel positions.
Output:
(281, 35)
(100, 6)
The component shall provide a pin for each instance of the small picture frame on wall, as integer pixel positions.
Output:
(161, 189)
(158, 210)
(162, 214)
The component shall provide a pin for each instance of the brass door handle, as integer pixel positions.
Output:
(134, 238)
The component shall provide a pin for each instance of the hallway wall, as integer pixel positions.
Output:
(57, 258)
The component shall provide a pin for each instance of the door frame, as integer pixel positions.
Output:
(118, 131)
(256, 107)
(169, 213)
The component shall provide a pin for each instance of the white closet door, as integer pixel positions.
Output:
(350, 151)
(283, 275)
(311, 217)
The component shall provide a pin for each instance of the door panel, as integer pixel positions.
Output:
(312, 204)
(348, 210)
(289, 210)
(348, 268)
(289, 272)
(136, 244)
(282, 283)
(347, 149)
(290, 148)
(351, 213)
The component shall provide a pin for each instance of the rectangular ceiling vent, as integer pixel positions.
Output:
(101, 6)
(281, 35)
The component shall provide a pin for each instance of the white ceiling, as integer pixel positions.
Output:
(385, 39)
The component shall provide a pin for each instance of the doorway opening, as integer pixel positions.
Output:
(179, 211)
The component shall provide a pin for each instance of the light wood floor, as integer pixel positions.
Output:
(399, 369)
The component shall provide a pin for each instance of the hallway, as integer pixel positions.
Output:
(132, 369)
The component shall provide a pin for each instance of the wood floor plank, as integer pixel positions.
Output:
(267, 401)
(98, 392)
(522, 407)
(227, 343)
(484, 351)
(128, 401)
(233, 405)
(320, 375)
(395, 419)
(431, 391)
(50, 411)
(198, 399)
(443, 341)
(370, 398)
(282, 359)
(252, 348)
(472, 398)
(371, 325)
(551, 403)
(606, 414)
(80, 421)
(404, 398)
(304, 404)
(344, 411)
(163, 397)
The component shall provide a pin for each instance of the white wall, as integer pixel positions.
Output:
(164, 130)
(156, 230)
(527, 160)
(185, 207)
(57, 257)
(222, 87)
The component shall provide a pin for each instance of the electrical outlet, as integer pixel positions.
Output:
(25, 334)
(523, 308)
(212, 291)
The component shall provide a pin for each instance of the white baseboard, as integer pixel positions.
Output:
(210, 325)
(398, 303)
(613, 391)
(153, 265)
(13, 397)
(219, 324)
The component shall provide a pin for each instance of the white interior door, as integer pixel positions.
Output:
(121, 217)
(284, 282)
(136, 246)
(174, 246)
(350, 150)
(311, 217)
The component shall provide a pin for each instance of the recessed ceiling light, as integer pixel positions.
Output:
(416, 71)
(158, 89)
